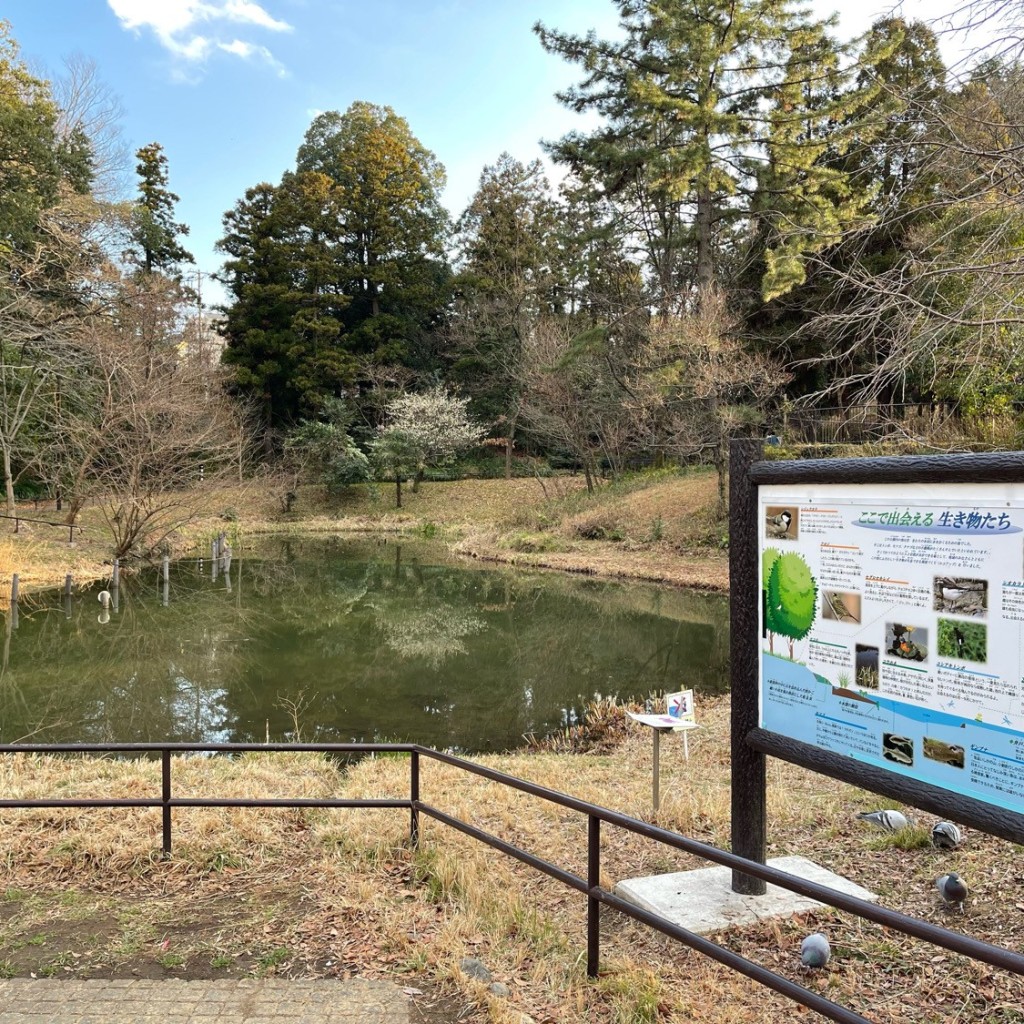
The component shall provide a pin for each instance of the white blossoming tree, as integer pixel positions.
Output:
(423, 430)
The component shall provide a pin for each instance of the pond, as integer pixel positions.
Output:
(370, 640)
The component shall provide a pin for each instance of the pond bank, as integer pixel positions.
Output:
(659, 529)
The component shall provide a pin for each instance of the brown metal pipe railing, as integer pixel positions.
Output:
(596, 895)
(954, 941)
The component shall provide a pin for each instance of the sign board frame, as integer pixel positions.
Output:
(750, 741)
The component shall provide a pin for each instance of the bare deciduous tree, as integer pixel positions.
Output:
(156, 433)
(695, 385)
(573, 398)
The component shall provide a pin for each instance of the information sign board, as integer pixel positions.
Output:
(892, 628)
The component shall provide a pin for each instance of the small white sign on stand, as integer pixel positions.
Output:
(679, 717)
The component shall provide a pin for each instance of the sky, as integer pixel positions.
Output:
(229, 87)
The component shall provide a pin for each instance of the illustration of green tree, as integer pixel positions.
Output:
(792, 595)
(768, 559)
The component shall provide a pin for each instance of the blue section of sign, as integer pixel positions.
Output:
(979, 759)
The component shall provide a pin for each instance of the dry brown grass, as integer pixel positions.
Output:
(317, 892)
(658, 528)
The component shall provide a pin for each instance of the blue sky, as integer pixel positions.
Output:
(228, 87)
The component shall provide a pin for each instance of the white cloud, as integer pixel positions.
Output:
(251, 51)
(174, 23)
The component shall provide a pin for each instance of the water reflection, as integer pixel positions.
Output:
(379, 640)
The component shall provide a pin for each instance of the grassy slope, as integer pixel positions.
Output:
(656, 527)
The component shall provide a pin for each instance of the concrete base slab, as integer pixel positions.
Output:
(702, 901)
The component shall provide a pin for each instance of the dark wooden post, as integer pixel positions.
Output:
(749, 777)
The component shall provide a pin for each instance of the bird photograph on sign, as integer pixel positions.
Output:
(958, 595)
(840, 606)
(782, 523)
(967, 641)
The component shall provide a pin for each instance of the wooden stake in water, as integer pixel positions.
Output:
(14, 590)
(115, 580)
(67, 585)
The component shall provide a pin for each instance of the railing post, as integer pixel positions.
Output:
(165, 796)
(414, 796)
(593, 904)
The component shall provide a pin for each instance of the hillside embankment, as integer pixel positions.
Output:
(660, 526)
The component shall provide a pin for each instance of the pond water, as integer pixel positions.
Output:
(372, 640)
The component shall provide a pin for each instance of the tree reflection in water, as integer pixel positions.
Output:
(393, 641)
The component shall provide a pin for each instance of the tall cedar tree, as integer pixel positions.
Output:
(154, 230)
(391, 231)
(285, 338)
(506, 283)
(705, 108)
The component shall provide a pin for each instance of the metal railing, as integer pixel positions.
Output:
(590, 886)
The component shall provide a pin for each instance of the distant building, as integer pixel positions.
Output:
(200, 340)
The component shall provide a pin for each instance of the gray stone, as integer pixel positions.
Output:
(702, 901)
(474, 968)
(498, 988)
(245, 1001)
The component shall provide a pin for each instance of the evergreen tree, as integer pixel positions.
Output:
(284, 330)
(154, 231)
(700, 101)
(37, 161)
(390, 234)
(506, 236)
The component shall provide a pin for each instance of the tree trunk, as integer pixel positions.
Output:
(509, 445)
(398, 491)
(268, 437)
(721, 460)
(589, 476)
(420, 470)
(8, 481)
(705, 251)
